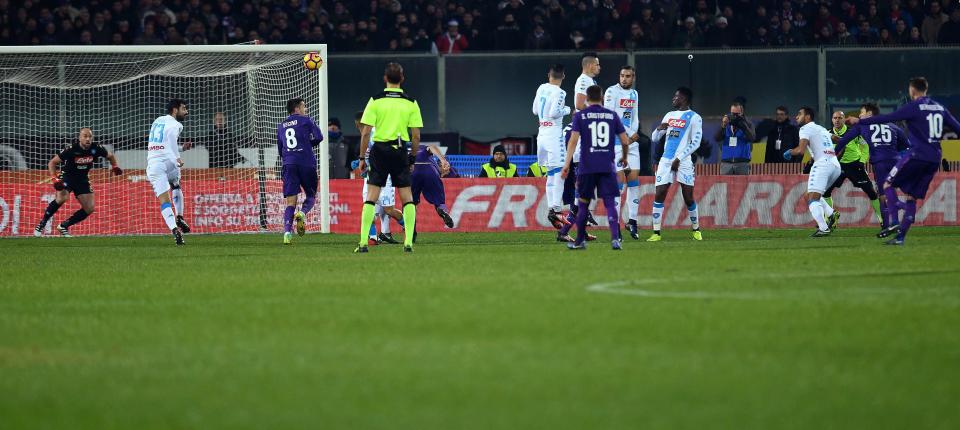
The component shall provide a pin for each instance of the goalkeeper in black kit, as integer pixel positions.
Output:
(77, 161)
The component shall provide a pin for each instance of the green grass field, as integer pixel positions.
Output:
(748, 329)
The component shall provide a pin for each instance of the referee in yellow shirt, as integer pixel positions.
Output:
(395, 118)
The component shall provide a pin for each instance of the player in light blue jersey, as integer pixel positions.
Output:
(684, 130)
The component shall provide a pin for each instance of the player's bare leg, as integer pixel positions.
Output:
(692, 211)
(58, 200)
(659, 197)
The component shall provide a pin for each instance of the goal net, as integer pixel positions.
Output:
(236, 96)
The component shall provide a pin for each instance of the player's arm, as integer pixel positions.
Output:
(903, 143)
(693, 142)
(414, 141)
(571, 146)
(660, 130)
(898, 115)
(802, 146)
(608, 99)
(842, 141)
(173, 135)
(439, 154)
(316, 136)
(54, 174)
(634, 131)
(114, 165)
(367, 120)
(555, 106)
(951, 121)
(625, 146)
(580, 101)
(415, 123)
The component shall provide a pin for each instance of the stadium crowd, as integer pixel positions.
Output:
(482, 25)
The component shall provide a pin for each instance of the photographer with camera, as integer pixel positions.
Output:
(735, 136)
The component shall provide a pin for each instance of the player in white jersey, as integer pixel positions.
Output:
(549, 105)
(683, 129)
(164, 163)
(825, 169)
(384, 205)
(623, 99)
(590, 69)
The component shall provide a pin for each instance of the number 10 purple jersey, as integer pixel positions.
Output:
(599, 130)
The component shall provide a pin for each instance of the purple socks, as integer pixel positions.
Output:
(908, 214)
(288, 219)
(613, 217)
(582, 209)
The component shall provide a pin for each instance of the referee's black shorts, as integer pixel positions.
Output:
(856, 172)
(387, 160)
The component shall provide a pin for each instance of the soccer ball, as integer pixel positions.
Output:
(312, 61)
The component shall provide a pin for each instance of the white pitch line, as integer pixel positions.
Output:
(613, 288)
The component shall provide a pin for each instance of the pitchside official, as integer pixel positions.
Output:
(390, 114)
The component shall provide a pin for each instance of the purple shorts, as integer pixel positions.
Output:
(296, 177)
(881, 169)
(426, 180)
(590, 185)
(913, 176)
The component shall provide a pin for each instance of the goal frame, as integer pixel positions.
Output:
(320, 113)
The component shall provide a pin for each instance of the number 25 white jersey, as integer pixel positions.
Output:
(162, 141)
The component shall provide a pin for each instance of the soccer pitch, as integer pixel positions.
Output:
(747, 329)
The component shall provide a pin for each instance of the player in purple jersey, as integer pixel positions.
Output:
(914, 171)
(296, 137)
(425, 179)
(597, 127)
(886, 142)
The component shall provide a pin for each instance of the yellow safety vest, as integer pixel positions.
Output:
(499, 172)
(536, 170)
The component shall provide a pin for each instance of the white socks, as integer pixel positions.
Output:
(167, 211)
(633, 201)
(177, 196)
(817, 210)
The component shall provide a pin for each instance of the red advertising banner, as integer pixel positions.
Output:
(229, 205)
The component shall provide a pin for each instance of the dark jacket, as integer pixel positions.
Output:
(789, 136)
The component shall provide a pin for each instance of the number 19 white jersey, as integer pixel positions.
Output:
(162, 141)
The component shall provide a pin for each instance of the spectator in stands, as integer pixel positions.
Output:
(761, 38)
(507, 37)
(901, 33)
(636, 39)
(844, 37)
(539, 39)
(721, 36)
(930, 29)
(451, 42)
(689, 37)
(787, 36)
(654, 30)
(896, 14)
(915, 10)
(915, 38)
(781, 137)
(950, 31)
(498, 166)
(736, 137)
(223, 146)
(825, 37)
(825, 20)
(608, 42)
(866, 35)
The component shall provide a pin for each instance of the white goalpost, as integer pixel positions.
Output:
(236, 95)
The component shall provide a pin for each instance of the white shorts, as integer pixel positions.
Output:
(162, 174)
(683, 175)
(633, 156)
(387, 194)
(823, 173)
(551, 150)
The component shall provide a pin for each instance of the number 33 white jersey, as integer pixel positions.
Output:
(162, 141)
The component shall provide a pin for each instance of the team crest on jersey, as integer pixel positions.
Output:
(627, 114)
(627, 103)
(677, 123)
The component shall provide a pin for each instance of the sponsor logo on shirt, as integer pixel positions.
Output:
(546, 123)
(936, 108)
(83, 160)
(156, 148)
(627, 103)
(677, 123)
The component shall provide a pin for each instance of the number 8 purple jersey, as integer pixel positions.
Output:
(296, 137)
(599, 130)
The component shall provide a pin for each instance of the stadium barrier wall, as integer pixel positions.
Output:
(476, 204)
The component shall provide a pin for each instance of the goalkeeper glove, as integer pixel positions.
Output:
(58, 184)
(117, 171)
